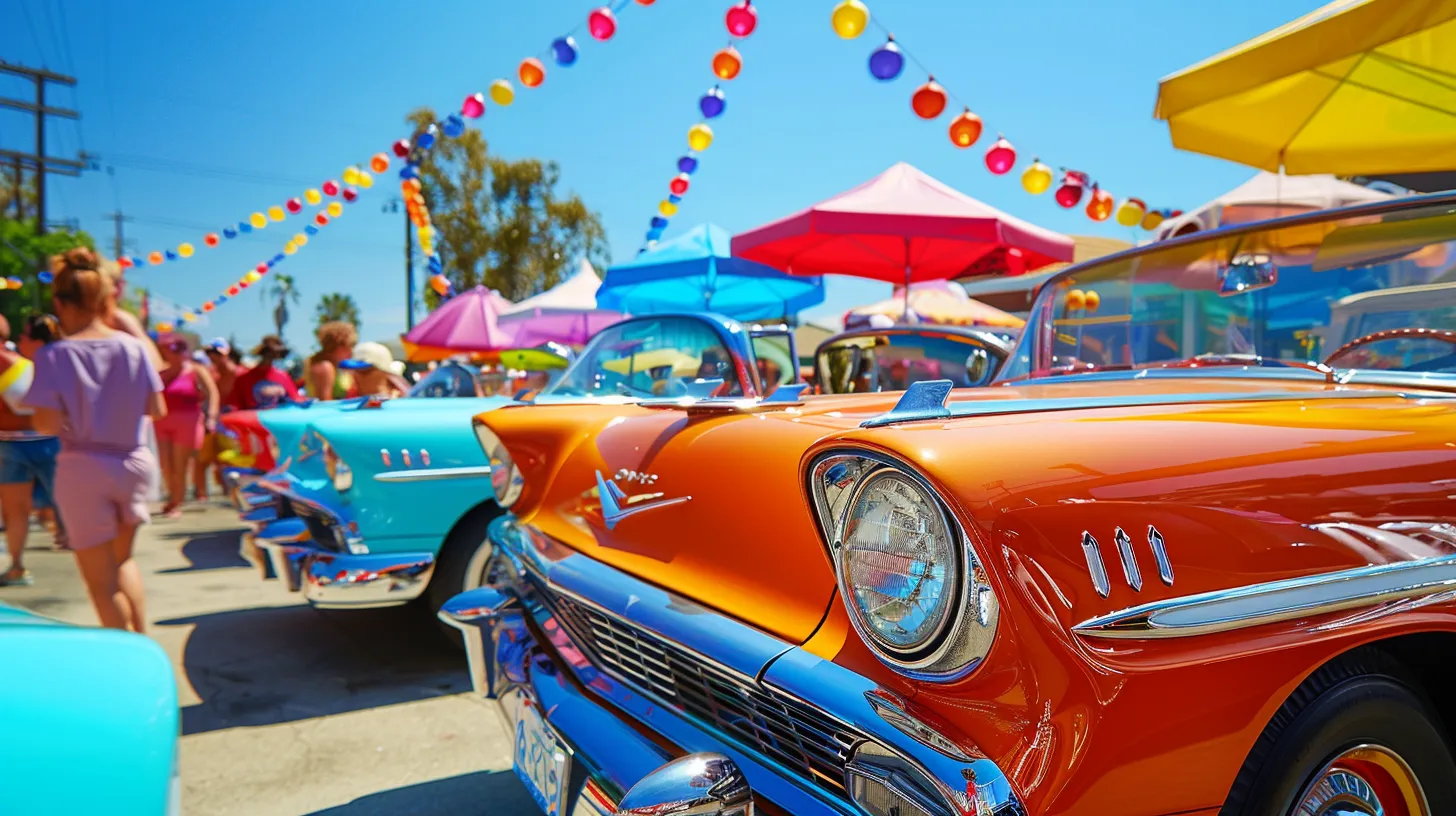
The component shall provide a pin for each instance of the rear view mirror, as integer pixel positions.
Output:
(978, 367)
(1246, 273)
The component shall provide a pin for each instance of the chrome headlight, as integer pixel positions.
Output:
(914, 588)
(505, 477)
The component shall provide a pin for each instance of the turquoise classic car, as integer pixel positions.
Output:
(380, 502)
(89, 721)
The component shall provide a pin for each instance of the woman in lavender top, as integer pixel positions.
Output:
(95, 390)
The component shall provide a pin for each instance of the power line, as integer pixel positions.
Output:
(35, 38)
(161, 165)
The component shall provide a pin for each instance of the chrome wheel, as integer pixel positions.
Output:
(1368, 780)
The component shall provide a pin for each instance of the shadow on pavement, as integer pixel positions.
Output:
(271, 665)
(494, 792)
(209, 551)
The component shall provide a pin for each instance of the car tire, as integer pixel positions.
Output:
(1360, 700)
(457, 567)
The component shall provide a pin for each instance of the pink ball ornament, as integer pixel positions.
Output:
(742, 19)
(294, 205)
(1001, 157)
(473, 107)
(601, 24)
(331, 188)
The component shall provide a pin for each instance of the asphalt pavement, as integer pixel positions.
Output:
(292, 710)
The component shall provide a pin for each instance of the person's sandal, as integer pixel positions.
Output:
(13, 578)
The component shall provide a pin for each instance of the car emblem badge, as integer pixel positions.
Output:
(616, 505)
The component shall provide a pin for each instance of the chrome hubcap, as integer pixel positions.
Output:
(1369, 780)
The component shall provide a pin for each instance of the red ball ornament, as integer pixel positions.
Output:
(242, 284)
(727, 63)
(294, 205)
(928, 100)
(331, 187)
(233, 290)
(1070, 193)
(965, 129)
(124, 262)
(742, 19)
(321, 219)
(531, 72)
(261, 269)
(210, 239)
(1099, 206)
(602, 24)
(679, 184)
(1001, 157)
(350, 194)
(402, 148)
(208, 306)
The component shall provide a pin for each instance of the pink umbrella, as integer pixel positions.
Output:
(465, 323)
(565, 313)
(903, 226)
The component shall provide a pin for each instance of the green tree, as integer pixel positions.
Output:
(501, 222)
(281, 290)
(23, 255)
(10, 189)
(336, 306)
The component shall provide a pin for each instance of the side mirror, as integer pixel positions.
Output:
(978, 366)
(1246, 273)
(705, 784)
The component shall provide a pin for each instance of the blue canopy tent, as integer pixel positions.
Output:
(695, 272)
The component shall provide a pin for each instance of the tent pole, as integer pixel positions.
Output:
(905, 315)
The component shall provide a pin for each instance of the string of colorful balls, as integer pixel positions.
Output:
(851, 18)
(740, 20)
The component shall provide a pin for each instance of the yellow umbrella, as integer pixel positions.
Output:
(683, 365)
(1358, 87)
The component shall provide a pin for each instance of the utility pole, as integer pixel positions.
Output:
(119, 242)
(394, 205)
(39, 161)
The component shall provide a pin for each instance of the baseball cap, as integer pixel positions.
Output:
(272, 344)
(218, 345)
(370, 355)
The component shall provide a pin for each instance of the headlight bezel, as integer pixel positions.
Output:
(963, 639)
(506, 480)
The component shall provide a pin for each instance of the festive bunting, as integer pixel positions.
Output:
(850, 19)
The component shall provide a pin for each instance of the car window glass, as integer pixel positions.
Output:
(650, 358)
(893, 361)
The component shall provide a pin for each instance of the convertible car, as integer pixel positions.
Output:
(891, 359)
(1183, 560)
(380, 502)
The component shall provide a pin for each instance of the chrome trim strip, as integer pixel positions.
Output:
(1275, 601)
(430, 475)
(1095, 567)
(613, 501)
(1160, 554)
(999, 407)
(1129, 561)
(922, 400)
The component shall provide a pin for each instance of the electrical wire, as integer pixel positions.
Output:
(161, 165)
(30, 24)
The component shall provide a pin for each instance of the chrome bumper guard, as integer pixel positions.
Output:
(547, 611)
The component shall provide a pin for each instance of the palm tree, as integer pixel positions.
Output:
(336, 306)
(283, 290)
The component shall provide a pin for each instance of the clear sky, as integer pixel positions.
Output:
(206, 112)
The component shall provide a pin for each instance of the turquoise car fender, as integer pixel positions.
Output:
(89, 722)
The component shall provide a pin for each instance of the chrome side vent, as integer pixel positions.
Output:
(1129, 561)
(1095, 567)
(1160, 554)
(1131, 571)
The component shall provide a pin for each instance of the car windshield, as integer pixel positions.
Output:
(650, 357)
(892, 360)
(449, 379)
(1355, 292)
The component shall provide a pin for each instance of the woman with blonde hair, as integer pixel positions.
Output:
(95, 390)
(336, 344)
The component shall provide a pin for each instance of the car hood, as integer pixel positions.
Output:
(713, 504)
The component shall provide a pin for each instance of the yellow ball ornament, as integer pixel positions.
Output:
(365, 180)
(300, 239)
(700, 136)
(252, 276)
(1076, 300)
(501, 92)
(290, 248)
(351, 175)
(164, 327)
(185, 250)
(312, 196)
(850, 18)
(276, 213)
(1037, 178)
(189, 317)
(335, 209)
(1152, 220)
(667, 208)
(1131, 211)
(258, 220)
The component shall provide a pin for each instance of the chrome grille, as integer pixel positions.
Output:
(781, 729)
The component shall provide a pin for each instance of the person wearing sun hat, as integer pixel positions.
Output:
(376, 372)
(264, 385)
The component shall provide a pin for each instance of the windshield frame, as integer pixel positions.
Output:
(1043, 306)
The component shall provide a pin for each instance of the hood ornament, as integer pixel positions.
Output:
(616, 505)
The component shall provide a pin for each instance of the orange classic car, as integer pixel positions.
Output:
(1182, 560)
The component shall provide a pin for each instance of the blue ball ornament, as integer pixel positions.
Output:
(136, 262)
(426, 138)
(44, 276)
(687, 164)
(454, 126)
(229, 233)
(220, 299)
(658, 222)
(712, 103)
(277, 259)
(311, 229)
(564, 50)
(171, 256)
(675, 199)
(244, 226)
(887, 61)
(408, 172)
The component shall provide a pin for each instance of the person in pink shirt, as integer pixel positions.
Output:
(95, 390)
(192, 406)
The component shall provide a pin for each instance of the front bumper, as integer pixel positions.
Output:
(306, 552)
(810, 736)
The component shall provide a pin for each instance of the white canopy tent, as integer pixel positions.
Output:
(576, 292)
(1269, 195)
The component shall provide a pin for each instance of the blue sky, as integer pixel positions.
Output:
(206, 112)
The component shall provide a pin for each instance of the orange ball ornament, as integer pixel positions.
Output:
(1099, 206)
(727, 63)
(155, 258)
(208, 306)
(965, 129)
(531, 72)
(929, 100)
(379, 163)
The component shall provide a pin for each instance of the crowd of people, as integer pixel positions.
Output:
(97, 415)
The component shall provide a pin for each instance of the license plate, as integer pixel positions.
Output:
(541, 760)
